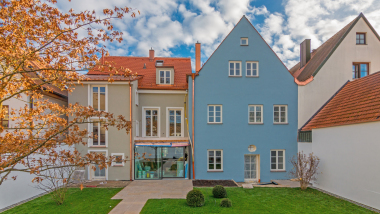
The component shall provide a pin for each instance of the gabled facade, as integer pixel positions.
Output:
(155, 101)
(351, 53)
(245, 111)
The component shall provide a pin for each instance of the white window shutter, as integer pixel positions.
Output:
(137, 128)
(137, 98)
(157, 77)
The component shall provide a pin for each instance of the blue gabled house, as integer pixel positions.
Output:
(245, 110)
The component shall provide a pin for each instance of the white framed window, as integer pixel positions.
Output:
(174, 122)
(214, 114)
(165, 77)
(99, 134)
(277, 160)
(280, 114)
(234, 68)
(255, 114)
(252, 69)
(119, 159)
(99, 97)
(215, 160)
(151, 122)
(244, 41)
(159, 63)
(97, 174)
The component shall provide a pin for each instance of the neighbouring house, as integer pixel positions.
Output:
(245, 110)
(351, 53)
(22, 188)
(158, 145)
(345, 136)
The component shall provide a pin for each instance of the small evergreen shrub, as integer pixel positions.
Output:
(225, 202)
(195, 198)
(219, 192)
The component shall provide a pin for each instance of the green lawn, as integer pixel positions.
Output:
(89, 200)
(259, 200)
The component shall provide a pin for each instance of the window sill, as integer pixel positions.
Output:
(256, 123)
(98, 146)
(119, 165)
(215, 123)
(280, 123)
(235, 76)
(214, 170)
(252, 76)
(361, 44)
(243, 45)
(277, 170)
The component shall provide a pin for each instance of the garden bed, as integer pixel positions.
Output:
(212, 183)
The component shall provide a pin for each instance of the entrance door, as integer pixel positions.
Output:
(251, 169)
(173, 162)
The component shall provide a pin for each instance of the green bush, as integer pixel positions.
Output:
(219, 192)
(225, 202)
(195, 198)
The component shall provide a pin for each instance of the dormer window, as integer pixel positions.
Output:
(165, 77)
(243, 41)
(159, 63)
(360, 39)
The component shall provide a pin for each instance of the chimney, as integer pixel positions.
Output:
(151, 54)
(197, 56)
(305, 54)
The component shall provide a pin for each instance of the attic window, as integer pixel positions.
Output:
(159, 63)
(360, 38)
(243, 41)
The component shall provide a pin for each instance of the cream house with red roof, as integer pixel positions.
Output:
(155, 100)
(345, 136)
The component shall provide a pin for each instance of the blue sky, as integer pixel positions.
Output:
(172, 27)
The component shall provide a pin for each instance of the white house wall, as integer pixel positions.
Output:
(338, 70)
(350, 161)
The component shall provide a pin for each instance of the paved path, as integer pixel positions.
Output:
(137, 193)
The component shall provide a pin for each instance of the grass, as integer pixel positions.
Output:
(89, 200)
(259, 200)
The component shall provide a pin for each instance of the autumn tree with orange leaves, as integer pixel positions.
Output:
(42, 49)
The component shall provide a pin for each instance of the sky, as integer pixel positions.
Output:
(172, 27)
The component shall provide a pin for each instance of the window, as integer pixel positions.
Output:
(159, 63)
(360, 70)
(118, 161)
(99, 98)
(277, 160)
(280, 113)
(150, 122)
(360, 39)
(94, 171)
(175, 123)
(214, 113)
(5, 119)
(98, 134)
(255, 114)
(235, 68)
(252, 69)
(164, 77)
(215, 160)
(243, 41)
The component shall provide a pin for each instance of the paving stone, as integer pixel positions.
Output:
(247, 186)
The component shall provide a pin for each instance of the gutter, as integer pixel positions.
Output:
(130, 131)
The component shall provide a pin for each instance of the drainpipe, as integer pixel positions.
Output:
(130, 131)
(192, 121)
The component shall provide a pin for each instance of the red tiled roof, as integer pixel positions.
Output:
(357, 102)
(323, 52)
(108, 77)
(182, 67)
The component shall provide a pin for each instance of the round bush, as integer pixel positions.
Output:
(219, 192)
(195, 198)
(225, 202)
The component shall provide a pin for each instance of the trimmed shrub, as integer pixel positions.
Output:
(225, 202)
(219, 192)
(195, 198)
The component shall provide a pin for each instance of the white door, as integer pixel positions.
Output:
(250, 168)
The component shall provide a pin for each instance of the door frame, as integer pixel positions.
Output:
(257, 168)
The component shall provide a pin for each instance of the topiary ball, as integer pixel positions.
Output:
(225, 202)
(219, 192)
(195, 198)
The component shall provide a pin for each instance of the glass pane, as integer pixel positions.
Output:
(272, 153)
(353, 72)
(252, 108)
(217, 113)
(254, 66)
(118, 159)
(276, 117)
(211, 119)
(237, 69)
(167, 80)
(211, 159)
(211, 166)
(273, 166)
(248, 72)
(218, 160)
(246, 159)
(149, 167)
(218, 166)
(171, 123)
(218, 153)
(273, 159)
(211, 114)
(210, 153)
(97, 170)
(253, 174)
(247, 174)
(95, 98)
(252, 119)
(280, 160)
(280, 153)
(280, 166)
(282, 108)
(148, 123)
(232, 68)
(154, 125)
(103, 172)
(253, 166)
(102, 98)
(217, 119)
(178, 124)
(247, 166)
(363, 70)
(102, 136)
(211, 108)
(217, 108)
(357, 36)
(276, 108)
(162, 73)
(283, 117)
(249, 66)
(95, 133)
(254, 72)
(361, 36)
